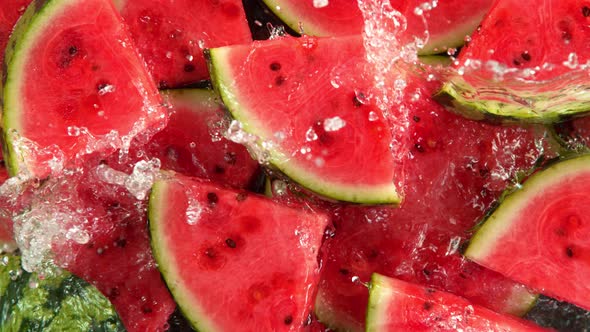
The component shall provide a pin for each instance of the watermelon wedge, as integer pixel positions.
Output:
(396, 305)
(192, 142)
(524, 65)
(458, 168)
(170, 35)
(545, 222)
(73, 85)
(307, 133)
(264, 255)
(448, 22)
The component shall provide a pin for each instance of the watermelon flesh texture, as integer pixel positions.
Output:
(10, 12)
(95, 91)
(262, 85)
(192, 142)
(525, 64)
(448, 23)
(396, 305)
(171, 35)
(264, 255)
(550, 241)
(450, 183)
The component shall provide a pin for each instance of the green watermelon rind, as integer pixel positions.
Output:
(529, 106)
(188, 305)
(59, 302)
(204, 98)
(498, 223)
(221, 77)
(379, 293)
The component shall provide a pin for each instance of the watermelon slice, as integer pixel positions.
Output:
(448, 22)
(192, 142)
(73, 85)
(545, 222)
(10, 12)
(197, 228)
(524, 65)
(395, 305)
(458, 168)
(171, 34)
(266, 84)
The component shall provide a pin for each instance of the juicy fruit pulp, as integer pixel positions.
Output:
(73, 85)
(545, 223)
(447, 22)
(395, 305)
(192, 142)
(336, 145)
(525, 63)
(451, 181)
(171, 34)
(53, 303)
(234, 261)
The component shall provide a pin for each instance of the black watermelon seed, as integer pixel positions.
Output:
(73, 50)
(288, 320)
(210, 252)
(416, 118)
(121, 243)
(427, 306)
(344, 272)
(526, 56)
(586, 11)
(426, 272)
(516, 62)
(146, 309)
(279, 80)
(419, 147)
(189, 67)
(212, 198)
(218, 169)
(241, 197)
(275, 66)
(569, 252)
(231, 243)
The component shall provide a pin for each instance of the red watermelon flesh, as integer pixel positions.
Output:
(97, 231)
(532, 34)
(452, 180)
(10, 12)
(396, 305)
(235, 261)
(96, 93)
(171, 35)
(447, 22)
(193, 144)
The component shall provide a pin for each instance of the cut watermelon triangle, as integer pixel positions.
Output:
(303, 104)
(193, 144)
(235, 261)
(448, 22)
(170, 35)
(545, 222)
(395, 305)
(73, 85)
(524, 65)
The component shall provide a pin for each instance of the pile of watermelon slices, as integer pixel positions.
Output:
(194, 158)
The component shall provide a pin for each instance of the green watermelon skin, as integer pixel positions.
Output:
(550, 241)
(265, 255)
(452, 180)
(396, 305)
(97, 94)
(170, 35)
(448, 23)
(262, 86)
(56, 302)
(193, 144)
(10, 12)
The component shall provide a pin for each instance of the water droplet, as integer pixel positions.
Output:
(334, 124)
(320, 3)
(311, 135)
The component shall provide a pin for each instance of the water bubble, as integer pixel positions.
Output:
(320, 3)
(78, 235)
(373, 116)
(106, 88)
(334, 124)
(73, 131)
(311, 135)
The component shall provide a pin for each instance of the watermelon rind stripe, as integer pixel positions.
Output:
(292, 18)
(509, 101)
(501, 221)
(188, 304)
(380, 298)
(222, 78)
(204, 98)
